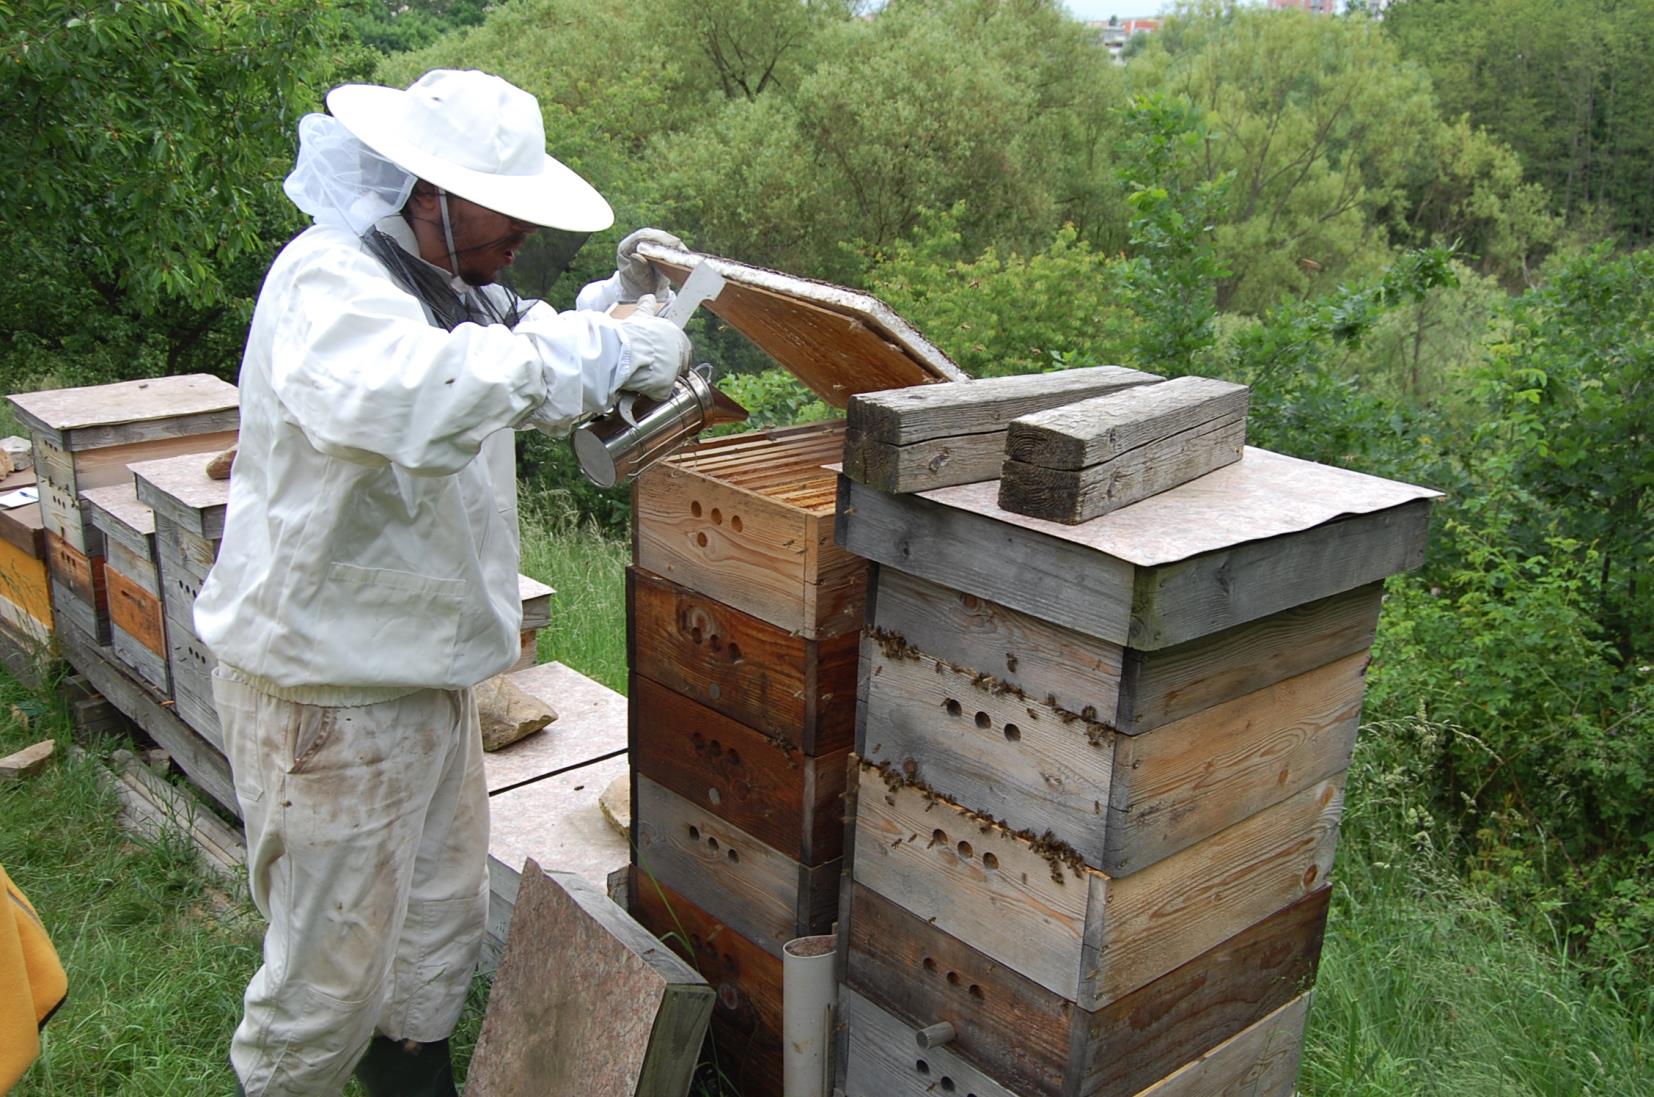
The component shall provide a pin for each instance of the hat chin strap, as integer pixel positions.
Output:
(448, 232)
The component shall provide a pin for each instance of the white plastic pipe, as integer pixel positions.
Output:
(807, 1015)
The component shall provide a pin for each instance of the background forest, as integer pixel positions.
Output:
(1421, 238)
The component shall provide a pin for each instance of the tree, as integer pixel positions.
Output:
(753, 46)
(1332, 140)
(140, 198)
(1568, 84)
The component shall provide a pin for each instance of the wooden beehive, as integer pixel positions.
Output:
(25, 589)
(132, 579)
(743, 621)
(189, 508)
(86, 438)
(1103, 774)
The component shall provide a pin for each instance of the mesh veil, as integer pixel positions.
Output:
(339, 181)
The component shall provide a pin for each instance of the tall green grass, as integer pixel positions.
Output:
(587, 568)
(1428, 987)
(156, 950)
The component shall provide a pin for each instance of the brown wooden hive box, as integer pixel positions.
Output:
(137, 619)
(1031, 905)
(747, 520)
(1032, 1042)
(780, 683)
(25, 586)
(1104, 772)
(189, 509)
(745, 1036)
(743, 635)
(1223, 726)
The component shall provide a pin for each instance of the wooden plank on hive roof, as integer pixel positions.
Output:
(586, 1001)
(837, 341)
(904, 416)
(130, 411)
(1088, 432)
(1079, 461)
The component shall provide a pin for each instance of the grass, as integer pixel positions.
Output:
(156, 952)
(587, 568)
(1426, 987)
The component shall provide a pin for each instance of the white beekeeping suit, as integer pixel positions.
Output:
(368, 572)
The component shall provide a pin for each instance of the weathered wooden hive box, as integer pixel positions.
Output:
(86, 438)
(25, 588)
(744, 620)
(132, 580)
(189, 508)
(1100, 772)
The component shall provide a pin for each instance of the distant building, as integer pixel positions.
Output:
(1319, 7)
(1114, 32)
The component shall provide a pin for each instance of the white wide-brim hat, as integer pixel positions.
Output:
(476, 136)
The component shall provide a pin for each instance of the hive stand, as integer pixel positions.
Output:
(1100, 775)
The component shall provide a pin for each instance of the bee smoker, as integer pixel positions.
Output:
(614, 448)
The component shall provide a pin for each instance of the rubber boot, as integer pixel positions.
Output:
(403, 1068)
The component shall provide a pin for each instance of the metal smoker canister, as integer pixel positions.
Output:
(613, 449)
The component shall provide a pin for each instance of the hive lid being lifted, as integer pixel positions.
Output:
(837, 341)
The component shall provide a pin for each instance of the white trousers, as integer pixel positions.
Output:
(367, 847)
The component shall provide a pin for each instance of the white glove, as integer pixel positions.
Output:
(660, 351)
(637, 275)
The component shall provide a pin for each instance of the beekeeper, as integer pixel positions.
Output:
(368, 573)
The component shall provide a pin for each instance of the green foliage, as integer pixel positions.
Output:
(1338, 152)
(393, 26)
(1427, 985)
(774, 398)
(1571, 393)
(1001, 314)
(1567, 84)
(1303, 401)
(1171, 280)
(140, 197)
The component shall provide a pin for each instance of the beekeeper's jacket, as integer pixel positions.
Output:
(367, 552)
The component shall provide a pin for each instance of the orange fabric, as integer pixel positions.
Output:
(32, 983)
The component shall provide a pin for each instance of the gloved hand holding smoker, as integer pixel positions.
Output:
(367, 577)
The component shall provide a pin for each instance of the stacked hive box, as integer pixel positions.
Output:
(86, 438)
(1102, 769)
(25, 591)
(188, 510)
(137, 622)
(743, 623)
